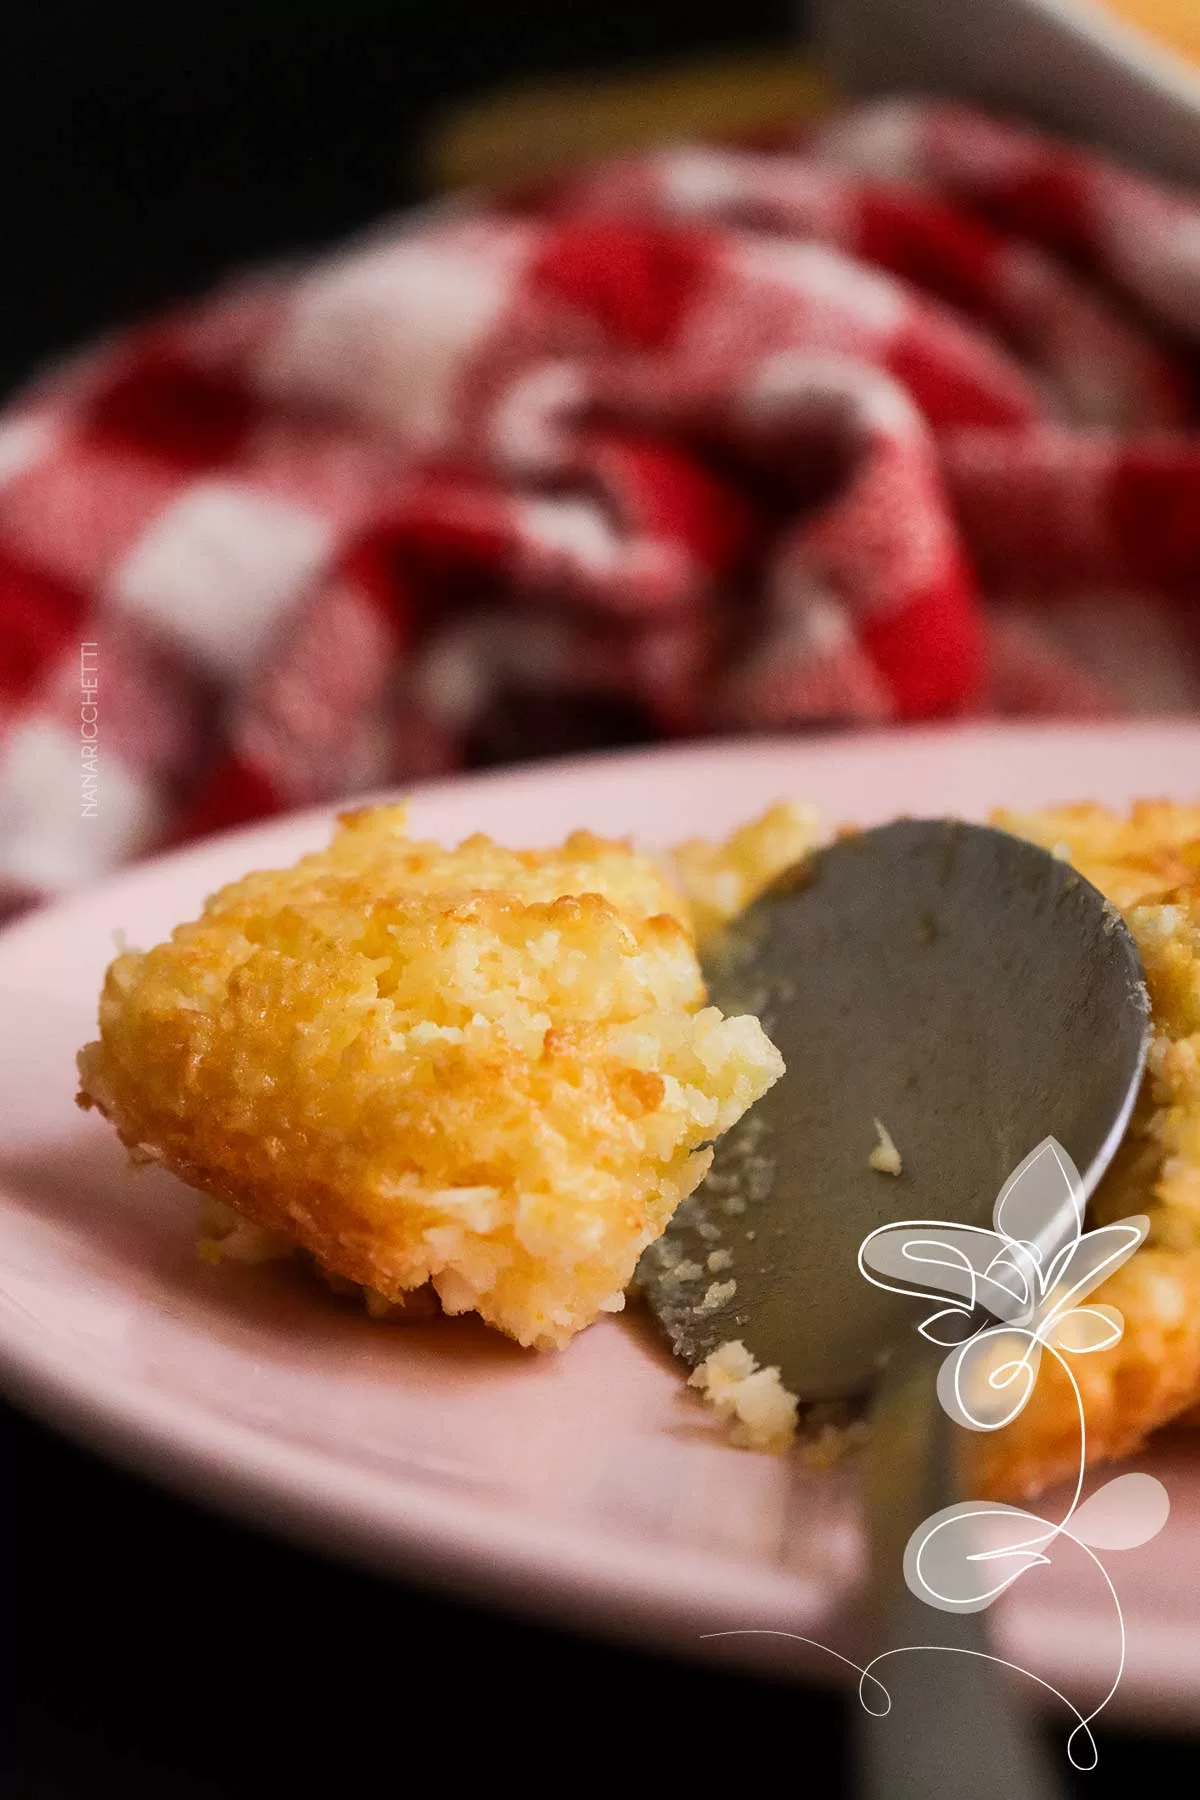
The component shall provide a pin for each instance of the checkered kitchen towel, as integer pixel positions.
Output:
(896, 424)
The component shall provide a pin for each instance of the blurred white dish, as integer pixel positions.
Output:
(1068, 64)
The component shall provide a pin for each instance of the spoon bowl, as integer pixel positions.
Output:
(964, 988)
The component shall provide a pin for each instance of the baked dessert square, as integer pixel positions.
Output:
(486, 1073)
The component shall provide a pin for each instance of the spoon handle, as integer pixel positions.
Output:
(951, 1729)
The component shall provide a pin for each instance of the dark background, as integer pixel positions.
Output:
(154, 1650)
(147, 146)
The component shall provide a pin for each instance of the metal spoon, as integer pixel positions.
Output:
(976, 995)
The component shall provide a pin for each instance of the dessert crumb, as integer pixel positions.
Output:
(684, 1271)
(716, 1294)
(760, 1411)
(885, 1157)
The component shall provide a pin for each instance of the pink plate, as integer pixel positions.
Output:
(587, 1485)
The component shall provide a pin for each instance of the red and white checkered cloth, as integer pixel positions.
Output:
(707, 439)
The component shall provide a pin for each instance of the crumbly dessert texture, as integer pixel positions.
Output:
(485, 1071)
(1148, 865)
(719, 880)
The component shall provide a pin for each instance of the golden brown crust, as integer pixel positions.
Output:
(491, 1070)
(1149, 865)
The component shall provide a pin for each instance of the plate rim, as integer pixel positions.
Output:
(533, 772)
